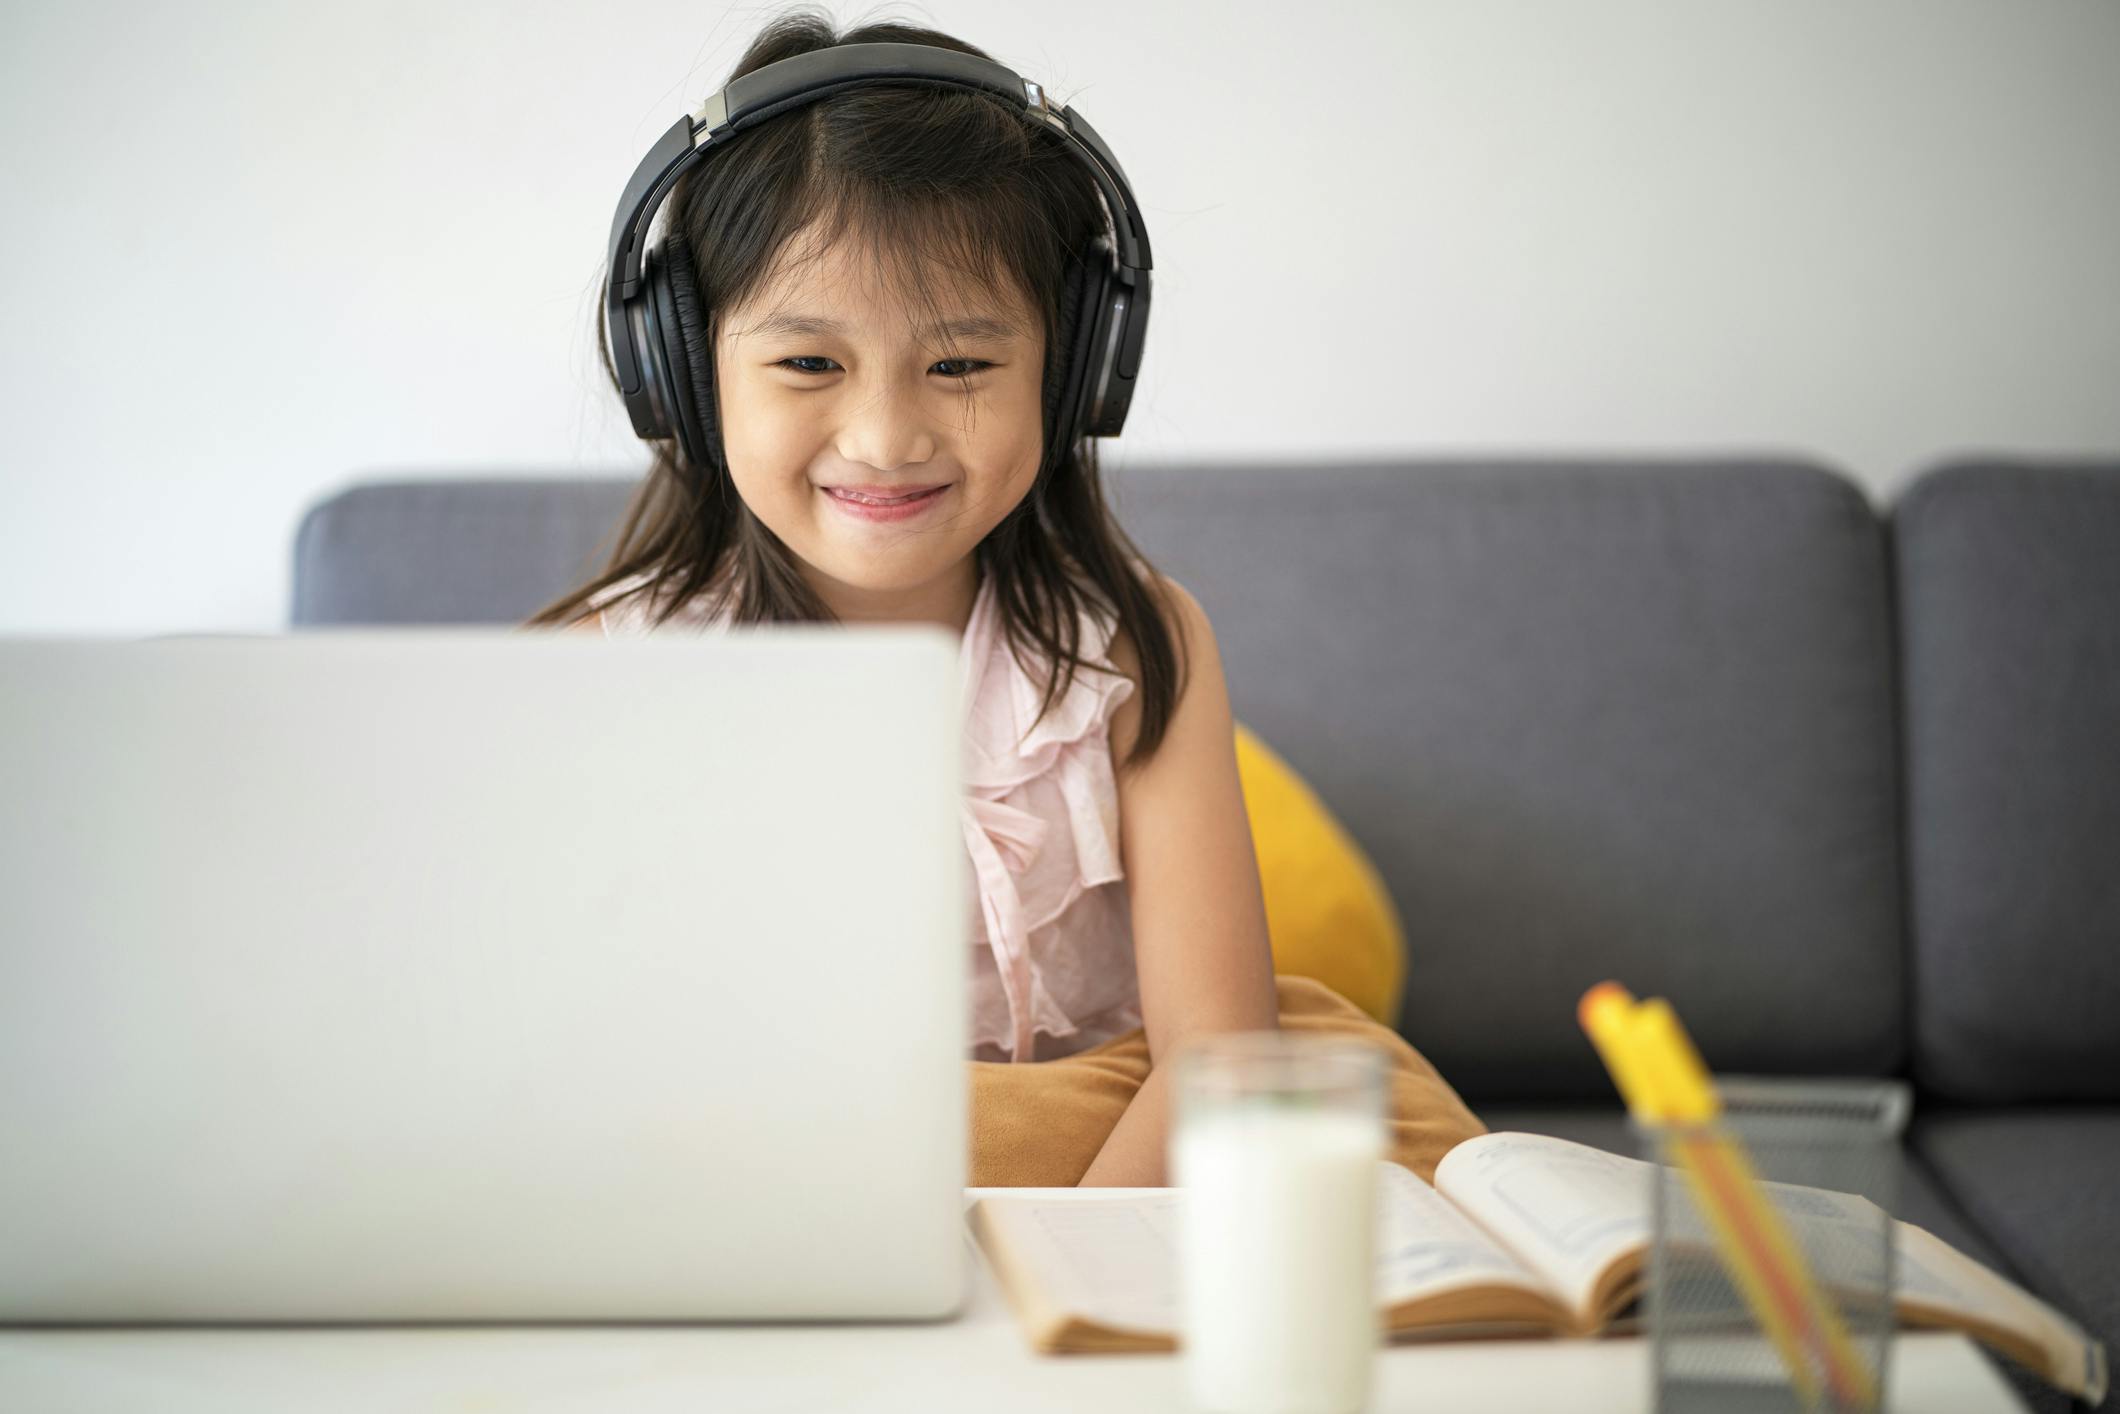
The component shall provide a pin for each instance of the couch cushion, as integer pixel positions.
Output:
(490, 551)
(1589, 720)
(2009, 586)
(2041, 1181)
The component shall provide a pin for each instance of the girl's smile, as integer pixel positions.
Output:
(875, 507)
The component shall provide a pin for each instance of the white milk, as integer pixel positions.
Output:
(1277, 1259)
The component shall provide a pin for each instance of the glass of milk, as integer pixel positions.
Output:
(1275, 1140)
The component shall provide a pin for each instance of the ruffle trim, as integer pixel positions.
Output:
(1006, 749)
(1113, 1021)
(1004, 755)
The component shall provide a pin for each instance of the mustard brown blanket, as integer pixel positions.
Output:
(1040, 1124)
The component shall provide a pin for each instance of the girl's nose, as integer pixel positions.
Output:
(886, 430)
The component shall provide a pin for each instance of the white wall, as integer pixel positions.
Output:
(252, 251)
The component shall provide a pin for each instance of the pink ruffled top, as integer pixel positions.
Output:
(1052, 967)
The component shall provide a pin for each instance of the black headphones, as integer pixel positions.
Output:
(658, 324)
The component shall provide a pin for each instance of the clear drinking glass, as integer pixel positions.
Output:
(1275, 1140)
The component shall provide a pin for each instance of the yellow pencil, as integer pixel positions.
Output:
(1664, 1082)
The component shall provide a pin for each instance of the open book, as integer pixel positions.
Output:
(1522, 1234)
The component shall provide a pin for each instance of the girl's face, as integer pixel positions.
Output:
(824, 382)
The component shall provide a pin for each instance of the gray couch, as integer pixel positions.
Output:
(1843, 783)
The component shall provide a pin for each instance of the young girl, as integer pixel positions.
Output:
(884, 269)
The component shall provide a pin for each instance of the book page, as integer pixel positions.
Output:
(1114, 1260)
(1109, 1260)
(1425, 1246)
(1572, 1211)
(1568, 1211)
(1938, 1284)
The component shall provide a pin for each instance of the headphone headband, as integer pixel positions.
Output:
(806, 78)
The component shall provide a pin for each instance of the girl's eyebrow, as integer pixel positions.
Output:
(975, 327)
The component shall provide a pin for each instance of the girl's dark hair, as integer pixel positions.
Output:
(945, 179)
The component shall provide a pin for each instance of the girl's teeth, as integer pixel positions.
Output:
(873, 501)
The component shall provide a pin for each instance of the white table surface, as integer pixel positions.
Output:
(977, 1362)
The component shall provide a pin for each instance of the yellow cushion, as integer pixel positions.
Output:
(1327, 911)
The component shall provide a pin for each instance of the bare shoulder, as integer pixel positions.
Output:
(1193, 641)
(1183, 616)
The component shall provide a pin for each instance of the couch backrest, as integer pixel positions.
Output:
(1590, 719)
(2009, 591)
(450, 551)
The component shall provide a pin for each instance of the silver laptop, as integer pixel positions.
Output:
(455, 973)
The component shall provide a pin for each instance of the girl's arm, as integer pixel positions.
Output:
(1199, 912)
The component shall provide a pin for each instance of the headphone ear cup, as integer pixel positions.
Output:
(1067, 361)
(682, 326)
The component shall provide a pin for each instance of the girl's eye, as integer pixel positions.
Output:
(970, 365)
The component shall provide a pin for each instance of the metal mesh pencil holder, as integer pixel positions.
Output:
(1827, 1155)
